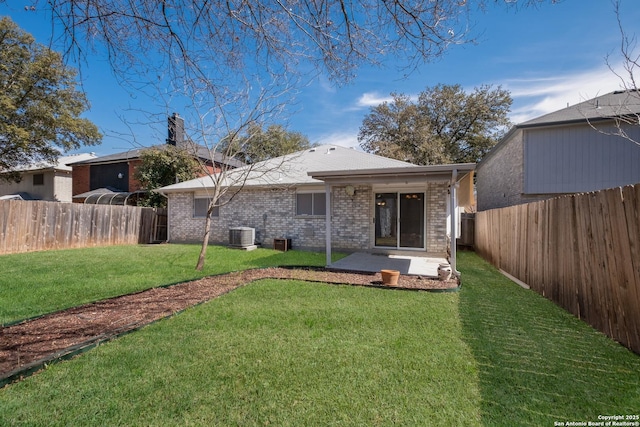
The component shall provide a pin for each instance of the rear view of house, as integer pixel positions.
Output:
(367, 202)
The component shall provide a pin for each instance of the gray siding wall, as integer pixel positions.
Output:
(537, 164)
(575, 159)
(62, 186)
(272, 214)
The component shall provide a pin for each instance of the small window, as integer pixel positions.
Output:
(201, 205)
(311, 204)
(38, 179)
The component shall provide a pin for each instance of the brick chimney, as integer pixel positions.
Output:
(176, 130)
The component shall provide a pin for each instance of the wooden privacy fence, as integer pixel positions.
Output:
(27, 226)
(580, 251)
(467, 229)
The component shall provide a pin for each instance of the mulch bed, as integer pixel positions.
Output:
(27, 346)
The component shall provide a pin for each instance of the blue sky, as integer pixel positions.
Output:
(547, 57)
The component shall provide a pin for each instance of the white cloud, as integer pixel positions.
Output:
(372, 99)
(347, 139)
(538, 96)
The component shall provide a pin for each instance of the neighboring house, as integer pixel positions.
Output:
(110, 179)
(45, 181)
(573, 150)
(367, 202)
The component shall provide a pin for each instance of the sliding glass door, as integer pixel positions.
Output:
(386, 219)
(400, 220)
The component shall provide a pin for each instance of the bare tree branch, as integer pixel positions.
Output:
(626, 111)
(236, 62)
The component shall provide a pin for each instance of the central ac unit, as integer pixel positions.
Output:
(242, 237)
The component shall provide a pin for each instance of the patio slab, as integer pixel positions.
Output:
(405, 264)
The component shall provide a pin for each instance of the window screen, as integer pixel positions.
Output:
(310, 204)
(200, 206)
(38, 179)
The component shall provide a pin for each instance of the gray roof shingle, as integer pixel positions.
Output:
(200, 151)
(611, 105)
(292, 169)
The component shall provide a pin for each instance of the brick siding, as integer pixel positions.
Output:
(500, 177)
(272, 214)
(437, 200)
(134, 184)
(81, 178)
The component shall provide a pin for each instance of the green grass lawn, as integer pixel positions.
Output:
(536, 362)
(37, 283)
(291, 353)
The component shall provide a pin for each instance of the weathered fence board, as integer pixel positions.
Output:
(580, 251)
(35, 225)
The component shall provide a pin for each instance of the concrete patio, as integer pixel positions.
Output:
(405, 264)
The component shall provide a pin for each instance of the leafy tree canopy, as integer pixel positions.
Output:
(256, 144)
(444, 125)
(162, 166)
(40, 107)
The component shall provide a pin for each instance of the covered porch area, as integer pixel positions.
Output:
(397, 225)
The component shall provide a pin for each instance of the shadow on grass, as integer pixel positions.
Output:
(36, 283)
(537, 364)
(227, 259)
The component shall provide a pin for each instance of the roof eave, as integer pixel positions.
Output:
(394, 175)
(565, 122)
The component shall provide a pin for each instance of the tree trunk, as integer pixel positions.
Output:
(205, 239)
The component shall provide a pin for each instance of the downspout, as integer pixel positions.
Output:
(327, 223)
(168, 228)
(454, 219)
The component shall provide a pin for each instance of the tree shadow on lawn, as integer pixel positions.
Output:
(230, 259)
(538, 364)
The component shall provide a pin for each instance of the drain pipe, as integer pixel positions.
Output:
(454, 220)
(168, 229)
(327, 223)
